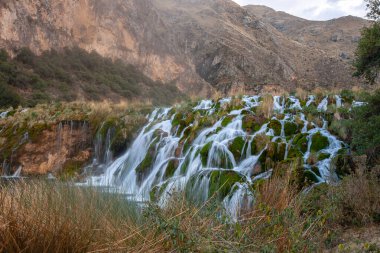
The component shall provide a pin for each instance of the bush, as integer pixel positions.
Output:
(367, 63)
(8, 97)
(366, 125)
(63, 75)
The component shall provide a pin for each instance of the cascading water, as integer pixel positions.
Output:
(322, 107)
(207, 152)
(3, 115)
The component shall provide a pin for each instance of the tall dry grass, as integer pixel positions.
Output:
(54, 217)
(266, 106)
(50, 217)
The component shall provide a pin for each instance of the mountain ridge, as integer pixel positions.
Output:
(202, 46)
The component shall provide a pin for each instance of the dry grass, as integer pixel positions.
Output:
(266, 107)
(302, 94)
(44, 217)
(357, 199)
(51, 217)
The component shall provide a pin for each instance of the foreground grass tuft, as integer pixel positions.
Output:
(43, 216)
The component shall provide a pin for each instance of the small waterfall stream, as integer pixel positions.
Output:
(203, 152)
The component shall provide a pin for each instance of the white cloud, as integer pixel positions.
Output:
(314, 9)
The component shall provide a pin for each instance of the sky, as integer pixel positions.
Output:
(314, 9)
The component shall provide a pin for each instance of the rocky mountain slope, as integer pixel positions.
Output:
(338, 37)
(202, 46)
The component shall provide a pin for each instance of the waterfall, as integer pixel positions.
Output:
(322, 107)
(339, 101)
(3, 115)
(205, 152)
(311, 99)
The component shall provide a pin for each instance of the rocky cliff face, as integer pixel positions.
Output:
(200, 45)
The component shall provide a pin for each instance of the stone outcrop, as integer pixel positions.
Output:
(64, 145)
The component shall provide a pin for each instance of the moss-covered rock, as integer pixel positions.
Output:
(343, 164)
(300, 141)
(236, 147)
(221, 182)
(323, 156)
(297, 176)
(204, 153)
(171, 168)
(281, 150)
(157, 191)
(71, 169)
(145, 166)
(290, 128)
(177, 118)
(294, 153)
(272, 151)
(316, 171)
(226, 121)
(319, 142)
(252, 123)
(260, 142)
(311, 177)
(276, 126)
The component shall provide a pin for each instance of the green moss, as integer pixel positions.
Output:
(319, 142)
(176, 120)
(118, 143)
(294, 153)
(258, 183)
(227, 120)
(348, 96)
(36, 130)
(221, 182)
(311, 177)
(290, 128)
(236, 147)
(276, 126)
(157, 191)
(323, 156)
(300, 142)
(281, 150)
(171, 168)
(71, 169)
(145, 166)
(344, 164)
(252, 123)
(204, 153)
(253, 147)
(315, 170)
(262, 160)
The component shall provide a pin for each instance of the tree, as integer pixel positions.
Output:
(367, 61)
(374, 9)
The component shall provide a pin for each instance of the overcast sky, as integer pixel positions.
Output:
(314, 9)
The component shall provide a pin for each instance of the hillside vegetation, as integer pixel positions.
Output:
(75, 74)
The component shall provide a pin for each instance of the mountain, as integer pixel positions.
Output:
(338, 37)
(202, 46)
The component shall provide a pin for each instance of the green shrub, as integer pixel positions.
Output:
(62, 75)
(366, 125)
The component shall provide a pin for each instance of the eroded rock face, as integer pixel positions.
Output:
(199, 45)
(127, 30)
(56, 148)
